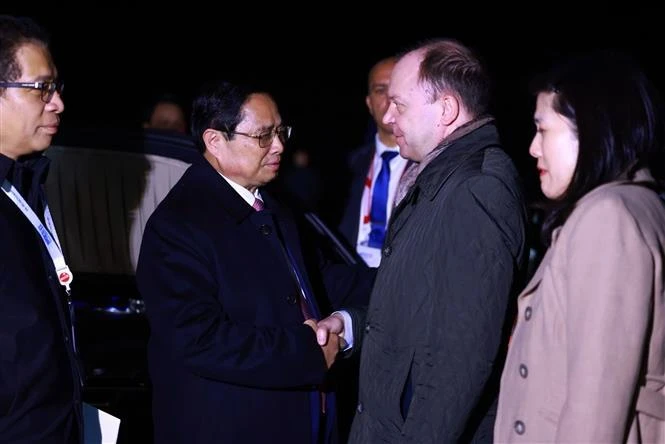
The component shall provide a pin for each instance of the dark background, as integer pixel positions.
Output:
(315, 58)
(315, 61)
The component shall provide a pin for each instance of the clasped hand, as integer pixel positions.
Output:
(330, 336)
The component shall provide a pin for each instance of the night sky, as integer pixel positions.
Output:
(113, 61)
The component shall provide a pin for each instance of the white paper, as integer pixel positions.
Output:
(99, 427)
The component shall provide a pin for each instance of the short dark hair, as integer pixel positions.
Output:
(15, 32)
(449, 65)
(219, 106)
(617, 114)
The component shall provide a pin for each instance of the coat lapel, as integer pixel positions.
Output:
(402, 212)
(286, 227)
(544, 263)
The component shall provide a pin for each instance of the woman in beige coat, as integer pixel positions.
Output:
(586, 362)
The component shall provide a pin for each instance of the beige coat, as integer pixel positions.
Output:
(591, 325)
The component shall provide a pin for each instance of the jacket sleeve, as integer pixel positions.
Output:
(608, 291)
(476, 262)
(175, 277)
(348, 286)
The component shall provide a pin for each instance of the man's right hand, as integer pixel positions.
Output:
(331, 326)
(330, 348)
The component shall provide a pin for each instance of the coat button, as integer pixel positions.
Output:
(291, 299)
(367, 328)
(387, 250)
(265, 229)
(523, 371)
(519, 427)
(527, 313)
(360, 407)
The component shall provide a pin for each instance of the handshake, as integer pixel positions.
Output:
(330, 336)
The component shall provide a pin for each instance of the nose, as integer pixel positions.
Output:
(535, 150)
(277, 147)
(388, 117)
(56, 103)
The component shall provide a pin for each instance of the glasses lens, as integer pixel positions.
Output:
(284, 133)
(49, 88)
(265, 140)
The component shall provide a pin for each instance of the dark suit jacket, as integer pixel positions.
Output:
(229, 356)
(39, 380)
(359, 163)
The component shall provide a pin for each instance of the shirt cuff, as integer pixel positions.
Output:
(348, 329)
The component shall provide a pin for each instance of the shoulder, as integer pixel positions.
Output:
(613, 210)
(493, 179)
(615, 198)
(360, 157)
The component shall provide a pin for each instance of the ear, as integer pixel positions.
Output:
(451, 109)
(367, 103)
(214, 140)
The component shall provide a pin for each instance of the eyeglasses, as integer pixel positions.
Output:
(266, 139)
(47, 88)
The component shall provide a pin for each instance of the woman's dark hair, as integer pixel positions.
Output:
(617, 115)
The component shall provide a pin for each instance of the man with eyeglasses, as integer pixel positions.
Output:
(39, 377)
(233, 355)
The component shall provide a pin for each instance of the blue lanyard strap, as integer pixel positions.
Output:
(48, 236)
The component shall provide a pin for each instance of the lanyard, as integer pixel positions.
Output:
(49, 236)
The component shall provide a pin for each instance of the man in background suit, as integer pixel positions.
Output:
(358, 224)
(232, 355)
(367, 211)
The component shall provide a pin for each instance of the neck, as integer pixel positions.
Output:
(212, 160)
(388, 139)
(5, 152)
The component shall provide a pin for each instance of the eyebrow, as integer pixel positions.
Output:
(46, 78)
(379, 84)
(266, 128)
(394, 98)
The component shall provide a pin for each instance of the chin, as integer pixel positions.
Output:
(42, 142)
(552, 195)
(42, 147)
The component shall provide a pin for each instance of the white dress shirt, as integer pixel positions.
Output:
(372, 256)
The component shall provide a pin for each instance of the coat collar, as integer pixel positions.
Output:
(451, 154)
(219, 189)
(641, 177)
(27, 174)
(229, 199)
(6, 165)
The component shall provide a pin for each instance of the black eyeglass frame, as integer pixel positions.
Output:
(46, 87)
(266, 139)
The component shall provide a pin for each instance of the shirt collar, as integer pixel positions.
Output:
(247, 195)
(27, 175)
(382, 148)
(6, 165)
